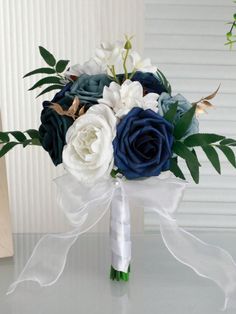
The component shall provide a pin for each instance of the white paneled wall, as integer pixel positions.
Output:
(70, 29)
(185, 38)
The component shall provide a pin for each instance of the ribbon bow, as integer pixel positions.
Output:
(84, 206)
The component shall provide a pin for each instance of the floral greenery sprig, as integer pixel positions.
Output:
(185, 148)
(55, 68)
(13, 138)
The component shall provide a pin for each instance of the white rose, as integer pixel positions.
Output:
(122, 98)
(88, 154)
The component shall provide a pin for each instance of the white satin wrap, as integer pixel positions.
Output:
(85, 206)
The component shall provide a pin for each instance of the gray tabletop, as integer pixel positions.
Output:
(158, 283)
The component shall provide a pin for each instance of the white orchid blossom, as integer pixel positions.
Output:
(141, 65)
(122, 98)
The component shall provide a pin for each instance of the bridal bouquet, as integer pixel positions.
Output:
(120, 134)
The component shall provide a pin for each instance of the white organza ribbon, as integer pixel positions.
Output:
(85, 206)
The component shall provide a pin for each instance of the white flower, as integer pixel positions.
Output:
(142, 65)
(127, 96)
(110, 55)
(90, 67)
(88, 154)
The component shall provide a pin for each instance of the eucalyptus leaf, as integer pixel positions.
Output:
(46, 80)
(61, 65)
(41, 71)
(213, 157)
(202, 139)
(47, 56)
(184, 123)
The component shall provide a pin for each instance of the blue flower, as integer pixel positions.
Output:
(150, 82)
(143, 144)
(89, 88)
(165, 101)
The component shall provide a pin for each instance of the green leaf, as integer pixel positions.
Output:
(202, 139)
(49, 89)
(35, 142)
(229, 154)
(5, 149)
(184, 122)
(176, 169)
(228, 141)
(4, 137)
(19, 136)
(61, 65)
(33, 133)
(170, 114)
(47, 56)
(41, 71)
(191, 159)
(26, 142)
(46, 80)
(164, 81)
(212, 156)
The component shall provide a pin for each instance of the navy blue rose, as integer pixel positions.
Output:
(150, 82)
(53, 128)
(143, 144)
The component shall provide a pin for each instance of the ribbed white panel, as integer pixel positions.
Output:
(185, 38)
(70, 29)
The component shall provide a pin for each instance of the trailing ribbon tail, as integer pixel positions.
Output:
(85, 206)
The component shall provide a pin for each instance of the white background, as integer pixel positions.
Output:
(71, 30)
(185, 38)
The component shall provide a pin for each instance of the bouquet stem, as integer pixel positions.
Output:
(119, 275)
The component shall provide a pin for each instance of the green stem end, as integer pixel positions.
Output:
(119, 275)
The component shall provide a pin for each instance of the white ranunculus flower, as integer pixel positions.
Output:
(90, 67)
(142, 65)
(88, 154)
(122, 98)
